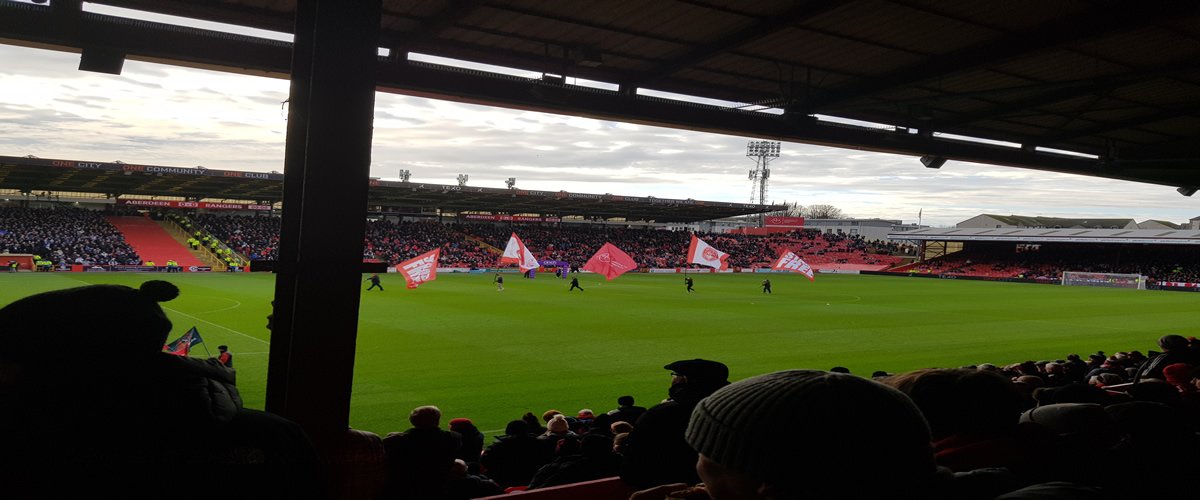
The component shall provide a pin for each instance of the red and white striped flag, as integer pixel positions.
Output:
(789, 261)
(421, 268)
(700, 252)
(515, 252)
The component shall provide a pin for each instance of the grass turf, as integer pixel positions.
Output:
(491, 356)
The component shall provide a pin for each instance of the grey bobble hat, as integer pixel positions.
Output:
(812, 428)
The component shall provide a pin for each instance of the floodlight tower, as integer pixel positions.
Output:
(462, 179)
(763, 152)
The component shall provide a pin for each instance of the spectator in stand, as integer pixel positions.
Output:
(556, 428)
(514, 458)
(464, 485)
(420, 459)
(626, 411)
(472, 441)
(591, 459)
(656, 452)
(972, 416)
(1176, 349)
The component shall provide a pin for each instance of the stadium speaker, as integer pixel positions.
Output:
(102, 60)
(1187, 191)
(933, 161)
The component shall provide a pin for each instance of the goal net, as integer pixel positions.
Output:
(1107, 280)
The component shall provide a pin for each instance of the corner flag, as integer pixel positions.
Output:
(789, 261)
(700, 252)
(184, 343)
(516, 253)
(421, 268)
(610, 261)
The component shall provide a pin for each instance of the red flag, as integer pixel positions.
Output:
(610, 261)
(789, 261)
(700, 252)
(421, 268)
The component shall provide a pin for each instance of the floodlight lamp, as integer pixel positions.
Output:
(462, 179)
(404, 175)
(1186, 191)
(933, 161)
(511, 182)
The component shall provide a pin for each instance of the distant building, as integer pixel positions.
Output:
(1194, 223)
(869, 229)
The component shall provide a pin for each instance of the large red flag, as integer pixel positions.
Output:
(700, 252)
(421, 268)
(789, 261)
(610, 261)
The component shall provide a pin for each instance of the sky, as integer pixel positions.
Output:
(164, 115)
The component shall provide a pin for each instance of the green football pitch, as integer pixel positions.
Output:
(491, 356)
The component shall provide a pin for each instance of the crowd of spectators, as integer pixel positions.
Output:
(1102, 426)
(255, 236)
(64, 236)
(475, 245)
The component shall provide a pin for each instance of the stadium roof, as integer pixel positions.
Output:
(116, 178)
(1116, 80)
(1060, 222)
(1071, 235)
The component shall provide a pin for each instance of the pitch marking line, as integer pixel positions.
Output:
(202, 320)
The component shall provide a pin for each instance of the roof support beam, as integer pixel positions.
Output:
(1102, 128)
(327, 170)
(760, 29)
(1102, 20)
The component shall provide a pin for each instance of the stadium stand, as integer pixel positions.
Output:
(151, 241)
(476, 245)
(1048, 261)
(64, 235)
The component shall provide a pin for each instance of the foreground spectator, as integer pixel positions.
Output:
(129, 429)
(420, 460)
(809, 434)
(655, 451)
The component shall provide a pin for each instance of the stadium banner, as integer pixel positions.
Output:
(509, 218)
(199, 269)
(838, 271)
(660, 270)
(777, 221)
(1179, 284)
(191, 204)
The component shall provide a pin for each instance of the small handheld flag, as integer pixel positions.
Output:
(515, 252)
(421, 268)
(789, 261)
(700, 252)
(182, 345)
(610, 261)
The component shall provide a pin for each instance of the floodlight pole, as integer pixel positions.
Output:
(762, 152)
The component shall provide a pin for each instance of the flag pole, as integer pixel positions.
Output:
(205, 344)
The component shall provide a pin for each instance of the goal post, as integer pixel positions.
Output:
(1105, 280)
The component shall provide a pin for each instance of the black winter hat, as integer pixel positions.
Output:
(814, 430)
(78, 321)
(700, 370)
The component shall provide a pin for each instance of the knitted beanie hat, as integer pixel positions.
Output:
(815, 430)
(78, 321)
(558, 424)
